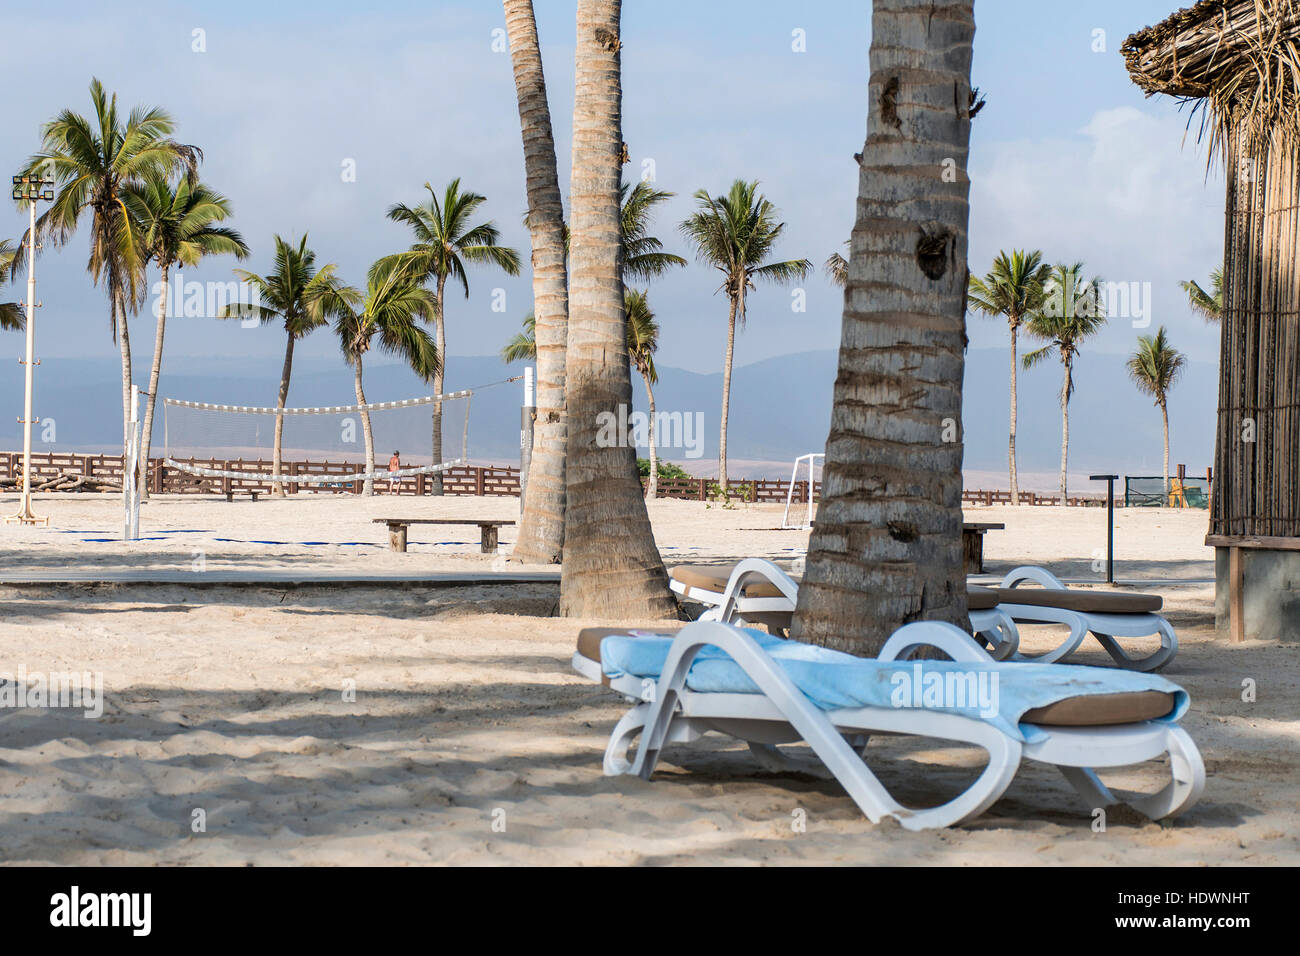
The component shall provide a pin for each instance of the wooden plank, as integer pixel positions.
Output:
(1252, 541)
(474, 521)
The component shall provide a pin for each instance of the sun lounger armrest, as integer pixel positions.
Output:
(948, 638)
(1030, 573)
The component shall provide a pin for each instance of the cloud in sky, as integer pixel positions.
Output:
(1120, 195)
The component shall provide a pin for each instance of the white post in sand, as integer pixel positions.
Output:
(29, 188)
(130, 467)
(528, 415)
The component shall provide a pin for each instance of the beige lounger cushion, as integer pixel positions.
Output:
(1090, 602)
(1089, 711)
(1101, 709)
(589, 638)
(714, 578)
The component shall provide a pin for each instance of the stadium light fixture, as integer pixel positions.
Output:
(29, 188)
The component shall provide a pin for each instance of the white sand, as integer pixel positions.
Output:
(230, 700)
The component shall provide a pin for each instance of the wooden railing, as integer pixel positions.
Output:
(463, 480)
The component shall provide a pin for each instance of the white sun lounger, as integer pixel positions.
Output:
(758, 592)
(1067, 735)
(1105, 615)
(747, 598)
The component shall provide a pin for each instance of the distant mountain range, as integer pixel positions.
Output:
(780, 408)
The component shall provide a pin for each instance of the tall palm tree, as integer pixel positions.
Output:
(612, 568)
(735, 234)
(1013, 288)
(386, 314)
(1072, 312)
(92, 162)
(294, 293)
(445, 241)
(541, 526)
(178, 224)
(1208, 305)
(642, 343)
(523, 347)
(11, 313)
(886, 548)
(1154, 367)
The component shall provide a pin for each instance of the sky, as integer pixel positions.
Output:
(283, 98)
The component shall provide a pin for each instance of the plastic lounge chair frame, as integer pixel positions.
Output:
(665, 712)
(993, 626)
(1103, 626)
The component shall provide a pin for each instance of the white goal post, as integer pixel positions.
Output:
(811, 459)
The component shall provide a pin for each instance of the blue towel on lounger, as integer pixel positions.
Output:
(996, 691)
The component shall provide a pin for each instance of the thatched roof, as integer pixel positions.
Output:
(1240, 59)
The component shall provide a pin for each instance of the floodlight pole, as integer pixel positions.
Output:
(30, 187)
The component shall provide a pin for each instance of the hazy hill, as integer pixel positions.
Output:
(780, 408)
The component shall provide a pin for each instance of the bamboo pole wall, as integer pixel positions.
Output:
(1258, 491)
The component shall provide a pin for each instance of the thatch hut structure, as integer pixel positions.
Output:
(1237, 64)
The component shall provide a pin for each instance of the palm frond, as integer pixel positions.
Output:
(523, 347)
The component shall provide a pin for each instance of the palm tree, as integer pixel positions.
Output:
(523, 347)
(444, 242)
(1208, 305)
(643, 255)
(1154, 367)
(886, 547)
(394, 299)
(178, 226)
(11, 313)
(642, 343)
(735, 234)
(612, 568)
(541, 526)
(1072, 312)
(93, 162)
(295, 292)
(1012, 288)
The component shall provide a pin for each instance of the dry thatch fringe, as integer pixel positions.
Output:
(1237, 62)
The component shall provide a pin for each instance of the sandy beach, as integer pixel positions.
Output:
(443, 725)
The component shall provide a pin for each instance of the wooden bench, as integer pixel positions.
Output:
(397, 530)
(972, 544)
(230, 495)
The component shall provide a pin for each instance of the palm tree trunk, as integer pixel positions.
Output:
(154, 372)
(277, 455)
(440, 337)
(612, 568)
(368, 486)
(726, 398)
(1065, 432)
(886, 549)
(1164, 415)
(652, 484)
(1011, 445)
(124, 347)
(541, 526)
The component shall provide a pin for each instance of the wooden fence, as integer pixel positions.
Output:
(493, 481)
(463, 480)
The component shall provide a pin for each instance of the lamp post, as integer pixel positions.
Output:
(30, 188)
(1110, 523)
